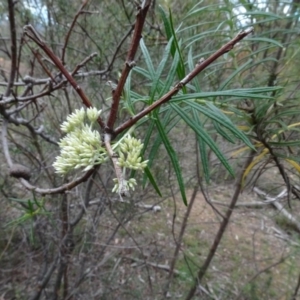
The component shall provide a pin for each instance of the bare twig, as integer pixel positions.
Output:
(155, 265)
(80, 11)
(42, 284)
(32, 34)
(58, 190)
(12, 27)
(84, 62)
(294, 297)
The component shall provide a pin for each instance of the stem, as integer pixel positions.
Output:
(199, 67)
(129, 64)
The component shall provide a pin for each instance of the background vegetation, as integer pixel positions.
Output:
(226, 144)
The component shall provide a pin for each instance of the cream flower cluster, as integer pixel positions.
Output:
(129, 154)
(81, 147)
(128, 184)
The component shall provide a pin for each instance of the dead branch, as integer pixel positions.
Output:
(155, 265)
(279, 206)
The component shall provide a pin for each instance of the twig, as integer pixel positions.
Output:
(58, 190)
(294, 297)
(80, 11)
(12, 27)
(32, 34)
(42, 284)
(123, 190)
(156, 265)
(84, 62)
(139, 24)
(199, 67)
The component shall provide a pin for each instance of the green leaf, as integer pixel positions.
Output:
(285, 143)
(204, 136)
(170, 31)
(243, 93)
(236, 72)
(222, 120)
(160, 69)
(127, 96)
(261, 13)
(222, 132)
(173, 158)
(202, 149)
(266, 40)
(171, 75)
(152, 180)
(147, 59)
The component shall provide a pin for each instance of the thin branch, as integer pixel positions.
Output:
(12, 27)
(58, 190)
(80, 11)
(42, 284)
(83, 63)
(32, 34)
(294, 297)
(129, 64)
(199, 67)
(119, 47)
(279, 206)
(155, 265)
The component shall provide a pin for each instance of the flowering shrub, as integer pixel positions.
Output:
(82, 147)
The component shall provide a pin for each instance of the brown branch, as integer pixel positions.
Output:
(199, 67)
(294, 297)
(129, 64)
(32, 34)
(38, 81)
(39, 59)
(119, 47)
(84, 62)
(58, 190)
(12, 27)
(80, 11)
(40, 94)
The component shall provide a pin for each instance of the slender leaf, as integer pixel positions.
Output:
(203, 135)
(173, 158)
(152, 181)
